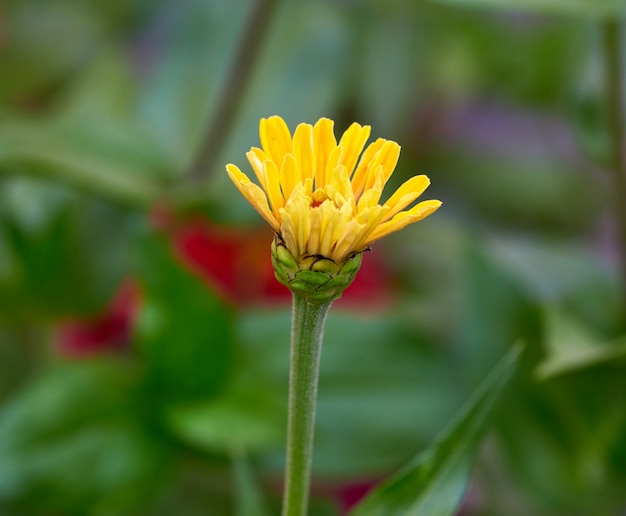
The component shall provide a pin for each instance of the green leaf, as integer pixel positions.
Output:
(433, 483)
(562, 443)
(184, 329)
(237, 419)
(60, 254)
(16, 359)
(598, 8)
(73, 419)
(494, 310)
(106, 159)
(571, 346)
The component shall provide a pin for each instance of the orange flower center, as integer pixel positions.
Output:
(318, 197)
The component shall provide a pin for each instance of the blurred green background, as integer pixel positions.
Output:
(143, 341)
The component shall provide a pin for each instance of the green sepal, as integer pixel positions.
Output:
(339, 281)
(325, 265)
(351, 267)
(316, 278)
(285, 257)
(313, 278)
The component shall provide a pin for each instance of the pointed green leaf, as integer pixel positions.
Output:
(433, 483)
(571, 346)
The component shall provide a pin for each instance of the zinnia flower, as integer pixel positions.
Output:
(322, 201)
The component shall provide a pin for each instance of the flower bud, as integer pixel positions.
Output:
(316, 278)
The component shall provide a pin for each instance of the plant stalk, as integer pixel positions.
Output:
(233, 90)
(306, 346)
(614, 84)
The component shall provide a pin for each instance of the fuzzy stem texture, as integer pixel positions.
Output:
(307, 331)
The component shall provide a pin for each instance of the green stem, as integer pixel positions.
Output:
(615, 112)
(234, 88)
(307, 331)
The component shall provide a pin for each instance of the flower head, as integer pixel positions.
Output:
(321, 199)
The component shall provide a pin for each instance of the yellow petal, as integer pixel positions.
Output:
(331, 165)
(357, 230)
(386, 158)
(335, 221)
(324, 143)
(361, 173)
(303, 150)
(349, 240)
(304, 229)
(339, 188)
(289, 176)
(275, 138)
(343, 227)
(296, 222)
(318, 227)
(256, 157)
(307, 183)
(287, 232)
(352, 142)
(272, 189)
(402, 219)
(260, 154)
(371, 196)
(368, 200)
(406, 194)
(254, 195)
(329, 216)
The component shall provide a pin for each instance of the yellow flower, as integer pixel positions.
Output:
(319, 197)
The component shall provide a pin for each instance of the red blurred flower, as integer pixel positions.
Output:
(237, 262)
(234, 261)
(107, 331)
(351, 494)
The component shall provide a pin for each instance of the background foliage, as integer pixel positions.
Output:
(143, 341)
